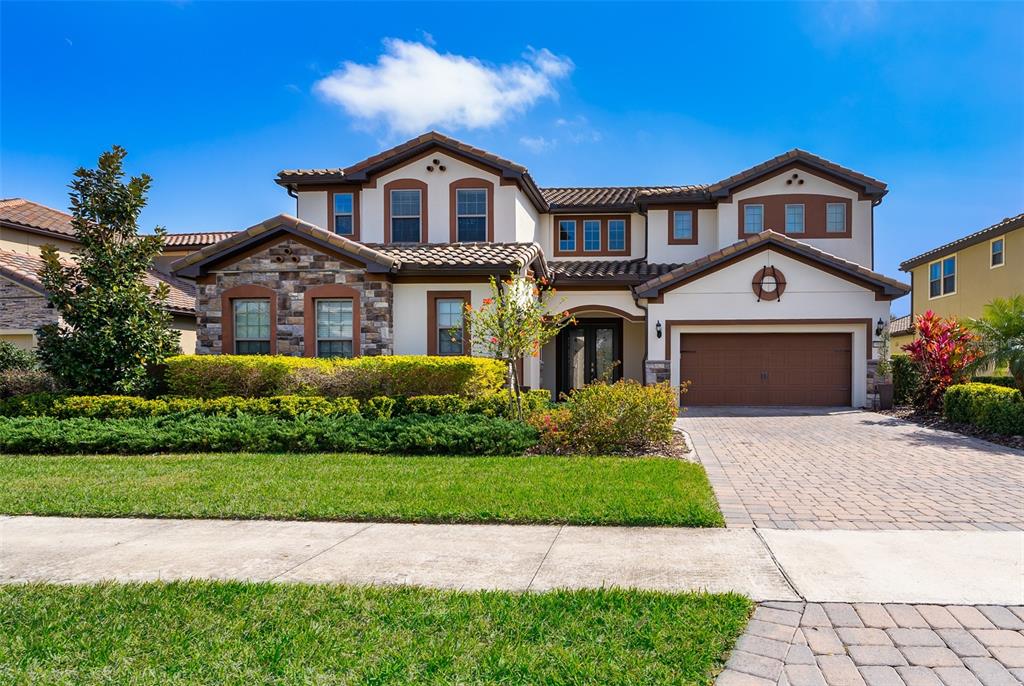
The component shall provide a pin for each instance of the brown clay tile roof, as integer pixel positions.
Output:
(872, 186)
(31, 215)
(610, 197)
(900, 326)
(24, 269)
(192, 240)
(619, 271)
(448, 256)
(1005, 226)
(654, 286)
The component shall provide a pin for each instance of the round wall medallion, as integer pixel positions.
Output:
(768, 283)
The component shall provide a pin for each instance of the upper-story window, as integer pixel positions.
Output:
(344, 214)
(682, 225)
(592, 235)
(567, 234)
(998, 257)
(795, 218)
(334, 327)
(835, 217)
(616, 234)
(942, 277)
(252, 326)
(471, 214)
(753, 218)
(406, 216)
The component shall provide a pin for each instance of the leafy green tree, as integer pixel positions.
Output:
(112, 324)
(514, 322)
(1001, 329)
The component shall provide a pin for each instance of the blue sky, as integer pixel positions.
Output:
(212, 99)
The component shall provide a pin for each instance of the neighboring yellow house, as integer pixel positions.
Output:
(959, 278)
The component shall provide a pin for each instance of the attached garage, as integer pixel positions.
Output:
(767, 368)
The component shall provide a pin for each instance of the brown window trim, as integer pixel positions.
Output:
(672, 209)
(453, 218)
(354, 191)
(332, 290)
(405, 184)
(815, 214)
(579, 219)
(227, 317)
(432, 298)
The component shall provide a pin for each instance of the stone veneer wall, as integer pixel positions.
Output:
(657, 371)
(21, 308)
(289, 268)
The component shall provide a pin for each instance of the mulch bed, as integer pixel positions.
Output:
(935, 420)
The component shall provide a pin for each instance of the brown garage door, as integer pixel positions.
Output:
(766, 369)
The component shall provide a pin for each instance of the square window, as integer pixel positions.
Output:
(794, 218)
(997, 253)
(835, 217)
(567, 235)
(616, 234)
(471, 215)
(591, 235)
(753, 218)
(682, 225)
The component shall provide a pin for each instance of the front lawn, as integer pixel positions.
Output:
(238, 633)
(536, 489)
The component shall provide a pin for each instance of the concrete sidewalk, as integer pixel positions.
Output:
(841, 566)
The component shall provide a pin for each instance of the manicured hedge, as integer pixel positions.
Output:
(1007, 381)
(214, 376)
(410, 435)
(283, 407)
(990, 407)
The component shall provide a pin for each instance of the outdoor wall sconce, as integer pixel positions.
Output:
(657, 328)
(879, 327)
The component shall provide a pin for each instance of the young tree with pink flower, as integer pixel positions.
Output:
(515, 322)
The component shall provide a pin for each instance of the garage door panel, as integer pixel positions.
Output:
(767, 369)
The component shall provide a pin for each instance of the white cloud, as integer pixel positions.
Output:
(537, 143)
(412, 87)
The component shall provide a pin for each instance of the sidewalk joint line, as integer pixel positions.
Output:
(545, 558)
(316, 555)
(778, 565)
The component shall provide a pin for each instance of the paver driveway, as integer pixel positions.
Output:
(847, 469)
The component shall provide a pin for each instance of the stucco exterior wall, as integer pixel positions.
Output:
(857, 248)
(659, 250)
(977, 283)
(722, 300)
(637, 237)
(32, 243)
(410, 312)
(311, 206)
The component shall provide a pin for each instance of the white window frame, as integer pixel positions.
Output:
(592, 221)
(1002, 251)
(351, 214)
(846, 220)
(235, 302)
(942, 277)
(624, 247)
(745, 208)
(418, 216)
(316, 324)
(459, 215)
(441, 330)
(558, 237)
(803, 219)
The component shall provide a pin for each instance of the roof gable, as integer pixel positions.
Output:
(884, 287)
(867, 186)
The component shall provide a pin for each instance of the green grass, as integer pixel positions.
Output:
(539, 489)
(245, 634)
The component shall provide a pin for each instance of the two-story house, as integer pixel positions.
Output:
(959, 278)
(759, 289)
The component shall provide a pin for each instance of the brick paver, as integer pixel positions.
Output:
(811, 469)
(815, 644)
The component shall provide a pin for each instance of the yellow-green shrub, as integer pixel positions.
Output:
(993, 408)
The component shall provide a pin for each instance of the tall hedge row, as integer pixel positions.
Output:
(994, 408)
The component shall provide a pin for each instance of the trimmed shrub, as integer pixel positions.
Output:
(212, 376)
(906, 379)
(994, 408)
(29, 405)
(1006, 381)
(13, 357)
(381, 407)
(603, 418)
(126, 407)
(412, 435)
(24, 381)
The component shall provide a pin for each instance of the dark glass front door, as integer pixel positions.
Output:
(589, 350)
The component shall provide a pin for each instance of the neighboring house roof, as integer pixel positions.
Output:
(31, 216)
(375, 260)
(192, 240)
(24, 269)
(890, 288)
(630, 272)
(901, 326)
(1005, 226)
(465, 257)
(411, 149)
